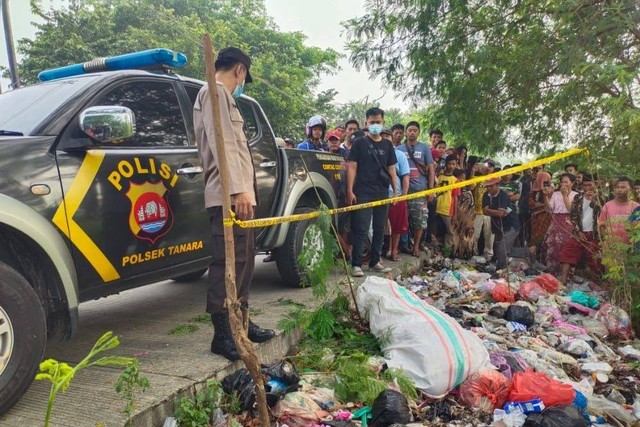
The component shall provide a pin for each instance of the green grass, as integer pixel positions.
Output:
(288, 302)
(201, 318)
(184, 329)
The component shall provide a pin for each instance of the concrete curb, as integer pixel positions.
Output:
(271, 351)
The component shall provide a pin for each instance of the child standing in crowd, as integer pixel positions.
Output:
(613, 219)
(504, 221)
(445, 205)
(540, 217)
(558, 203)
(482, 222)
(463, 220)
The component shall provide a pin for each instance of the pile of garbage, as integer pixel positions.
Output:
(483, 348)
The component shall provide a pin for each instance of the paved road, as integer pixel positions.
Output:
(143, 319)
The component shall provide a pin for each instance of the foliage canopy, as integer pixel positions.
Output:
(526, 74)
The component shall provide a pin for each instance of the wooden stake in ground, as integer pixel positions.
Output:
(238, 330)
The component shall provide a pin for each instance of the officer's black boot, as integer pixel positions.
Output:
(256, 333)
(222, 342)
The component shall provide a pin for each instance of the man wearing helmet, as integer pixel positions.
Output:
(315, 129)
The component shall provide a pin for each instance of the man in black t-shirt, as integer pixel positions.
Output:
(504, 220)
(370, 171)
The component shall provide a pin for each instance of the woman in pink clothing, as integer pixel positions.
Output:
(559, 204)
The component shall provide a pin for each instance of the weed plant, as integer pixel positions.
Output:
(337, 341)
(622, 261)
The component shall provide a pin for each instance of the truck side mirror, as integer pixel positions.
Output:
(108, 124)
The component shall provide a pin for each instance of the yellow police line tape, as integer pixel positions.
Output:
(265, 222)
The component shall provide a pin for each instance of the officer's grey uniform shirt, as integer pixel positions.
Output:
(241, 171)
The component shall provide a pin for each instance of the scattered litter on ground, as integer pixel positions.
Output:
(485, 348)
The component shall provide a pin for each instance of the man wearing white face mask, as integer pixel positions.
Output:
(370, 170)
(232, 72)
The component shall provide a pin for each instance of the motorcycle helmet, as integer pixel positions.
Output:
(316, 121)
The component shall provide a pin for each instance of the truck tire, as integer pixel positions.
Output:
(190, 277)
(292, 273)
(23, 334)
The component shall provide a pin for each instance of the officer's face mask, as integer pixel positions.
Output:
(239, 88)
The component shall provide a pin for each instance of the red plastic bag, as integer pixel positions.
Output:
(529, 385)
(502, 293)
(531, 291)
(548, 282)
(485, 390)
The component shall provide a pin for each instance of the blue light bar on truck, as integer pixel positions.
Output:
(128, 61)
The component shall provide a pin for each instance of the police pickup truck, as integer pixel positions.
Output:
(101, 190)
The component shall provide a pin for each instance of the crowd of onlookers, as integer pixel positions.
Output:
(561, 221)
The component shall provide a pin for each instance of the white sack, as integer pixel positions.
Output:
(429, 347)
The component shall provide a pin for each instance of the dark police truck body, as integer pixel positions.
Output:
(101, 190)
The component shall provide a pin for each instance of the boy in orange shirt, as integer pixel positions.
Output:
(445, 206)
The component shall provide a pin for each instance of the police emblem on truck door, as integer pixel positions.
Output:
(151, 216)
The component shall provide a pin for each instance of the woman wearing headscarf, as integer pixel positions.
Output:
(540, 216)
(558, 202)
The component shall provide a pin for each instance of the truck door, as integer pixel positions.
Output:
(130, 212)
(263, 151)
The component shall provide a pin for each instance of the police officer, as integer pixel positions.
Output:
(232, 72)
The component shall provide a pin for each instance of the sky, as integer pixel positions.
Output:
(319, 21)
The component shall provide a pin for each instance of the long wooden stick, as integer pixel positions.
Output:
(238, 331)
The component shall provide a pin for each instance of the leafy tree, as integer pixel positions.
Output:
(286, 71)
(532, 74)
(357, 109)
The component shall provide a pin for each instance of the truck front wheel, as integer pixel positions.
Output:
(302, 235)
(23, 335)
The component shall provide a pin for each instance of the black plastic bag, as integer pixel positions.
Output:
(280, 378)
(557, 416)
(284, 370)
(390, 407)
(497, 311)
(520, 314)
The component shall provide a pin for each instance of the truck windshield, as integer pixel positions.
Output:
(22, 110)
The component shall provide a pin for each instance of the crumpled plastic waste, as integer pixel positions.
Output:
(502, 293)
(529, 407)
(532, 291)
(516, 327)
(583, 299)
(297, 409)
(548, 282)
(630, 352)
(530, 385)
(281, 378)
(557, 416)
(578, 348)
(502, 418)
(390, 407)
(521, 314)
(485, 390)
(616, 320)
(508, 362)
(552, 347)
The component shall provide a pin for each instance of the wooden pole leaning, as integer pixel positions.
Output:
(238, 327)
